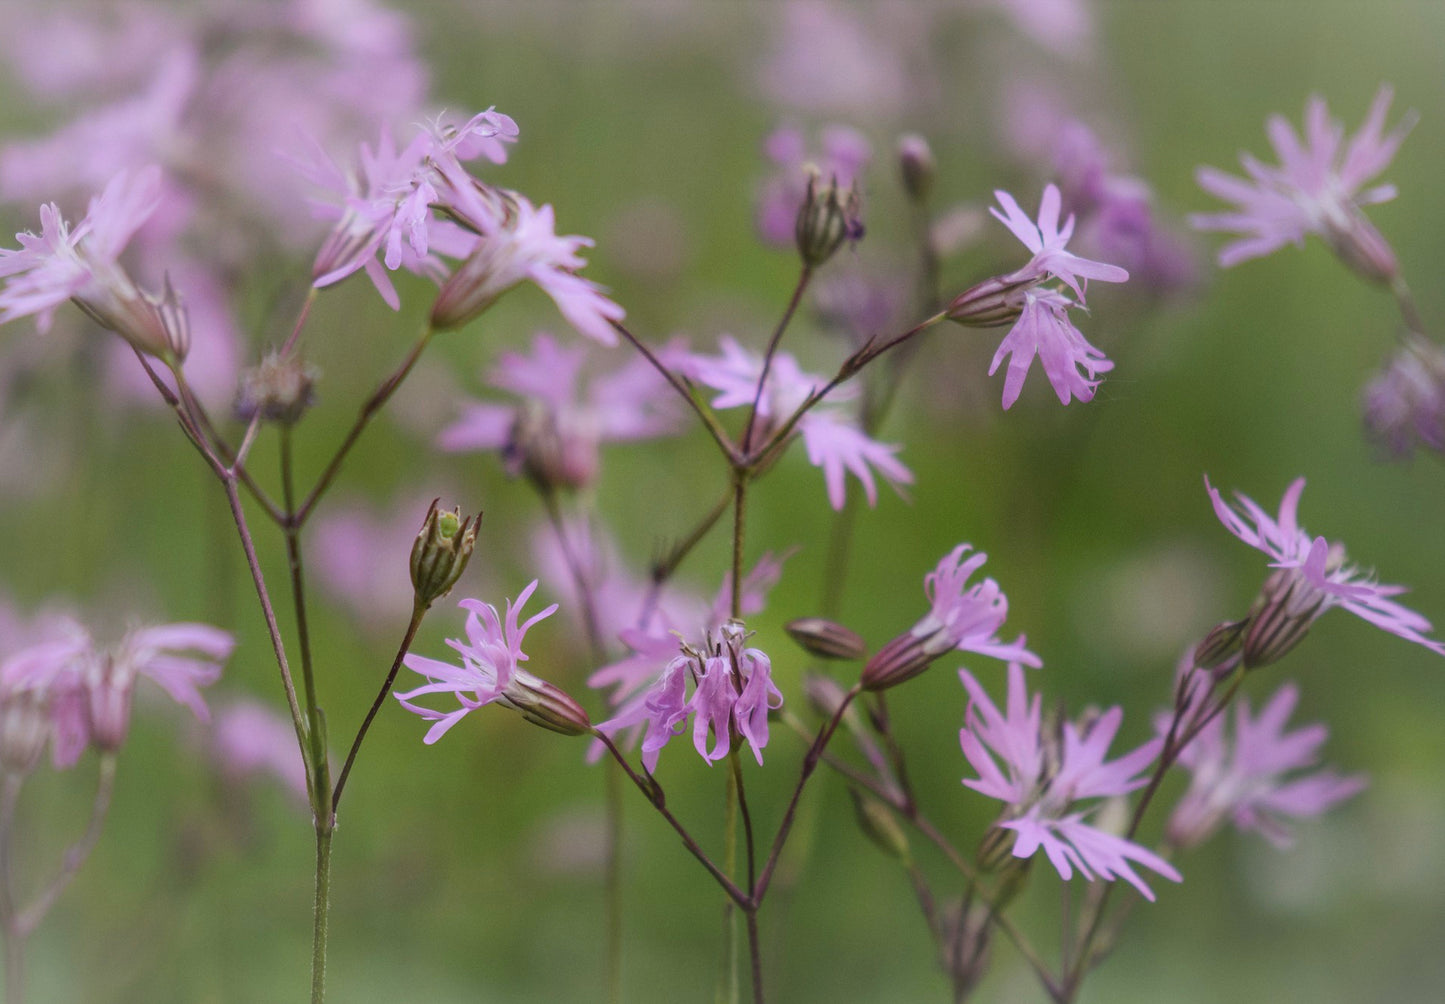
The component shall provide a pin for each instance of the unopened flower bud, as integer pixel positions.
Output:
(441, 552)
(544, 704)
(993, 302)
(906, 656)
(279, 389)
(24, 729)
(826, 639)
(1280, 618)
(1221, 645)
(879, 825)
(916, 164)
(828, 216)
(555, 449)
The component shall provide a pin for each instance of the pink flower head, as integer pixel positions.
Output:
(962, 617)
(1318, 187)
(1043, 329)
(1256, 777)
(1404, 404)
(724, 687)
(1010, 752)
(524, 246)
(553, 433)
(1313, 574)
(833, 439)
(81, 264)
(490, 672)
(90, 688)
(1047, 240)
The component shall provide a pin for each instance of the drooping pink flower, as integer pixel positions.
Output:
(553, 432)
(1043, 787)
(490, 672)
(90, 688)
(1257, 777)
(1047, 240)
(1317, 187)
(962, 618)
(1043, 330)
(724, 686)
(834, 441)
(1313, 573)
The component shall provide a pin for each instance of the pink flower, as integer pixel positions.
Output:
(1043, 329)
(1313, 574)
(490, 672)
(90, 688)
(833, 439)
(1043, 786)
(731, 691)
(1317, 188)
(1047, 240)
(553, 433)
(1404, 404)
(963, 618)
(1243, 777)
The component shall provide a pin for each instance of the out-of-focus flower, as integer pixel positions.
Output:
(845, 155)
(1312, 576)
(963, 618)
(1063, 26)
(1043, 782)
(1255, 777)
(1318, 187)
(552, 434)
(89, 688)
(834, 442)
(1404, 404)
(250, 738)
(82, 264)
(489, 673)
(724, 686)
(1039, 313)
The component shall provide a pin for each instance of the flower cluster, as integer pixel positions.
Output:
(1039, 313)
(1044, 779)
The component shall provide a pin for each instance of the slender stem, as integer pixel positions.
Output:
(613, 881)
(278, 647)
(320, 914)
(755, 955)
(77, 854)
(654, 794)
(727, 988)
(580, 578)
(10, 786)
(217, 451)
(417, 613)
(709, 420)
(1409, 310)
(735, 762)
(295, 565)
(740, 508)
(803, 276)
(850, 368)
(369, 409)
(301, 318)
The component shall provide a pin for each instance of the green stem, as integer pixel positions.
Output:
(9, 928)
(319, 916)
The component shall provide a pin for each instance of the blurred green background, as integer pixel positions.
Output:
(469, 871)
